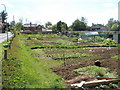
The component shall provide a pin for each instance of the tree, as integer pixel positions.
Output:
(48, 25)
(62, 26)
(54, 28)
(114, 27)
(70, 28)
(83, 19)
(12, 23)
(16, 28)
(78, 25)
(111, 21)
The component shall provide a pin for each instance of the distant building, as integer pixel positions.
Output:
(32, 28)
(98, 27)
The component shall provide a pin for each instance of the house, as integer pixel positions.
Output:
(32, 28)
(99, 27)
(96, 26)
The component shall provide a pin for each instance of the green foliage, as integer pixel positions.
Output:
(83, 41)
(16, 28)
(64, 42)
(115, 57)
(78, 25)
(70, 28)
(24, 70)
(61, 26)
(109, 42)
(95, 71)
(83, 19)
(111, 21)
(92, 39)
(67, 55)
(114, 27)
(48, 25)
(54, 28)
(98, 39)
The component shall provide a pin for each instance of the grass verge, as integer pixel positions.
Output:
(24, 70)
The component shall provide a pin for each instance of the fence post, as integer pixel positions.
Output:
(5, 54)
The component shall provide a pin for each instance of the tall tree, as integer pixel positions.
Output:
(54, 28)
(62, 26)
(48, 25)
(83, 19)
(78, 25)
(16, 28)
(114, 27)
(111, 21)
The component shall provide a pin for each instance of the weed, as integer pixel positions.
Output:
(95, 71)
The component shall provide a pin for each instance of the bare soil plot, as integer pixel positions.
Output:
(67, 71)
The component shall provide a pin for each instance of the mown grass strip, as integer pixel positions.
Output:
(26, 70)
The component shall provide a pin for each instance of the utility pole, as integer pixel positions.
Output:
(119, 11)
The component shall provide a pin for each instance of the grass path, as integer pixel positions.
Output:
(24, 70)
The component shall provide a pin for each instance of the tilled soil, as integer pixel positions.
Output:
(67, 73)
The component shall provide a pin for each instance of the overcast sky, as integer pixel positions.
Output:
(41, 11)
